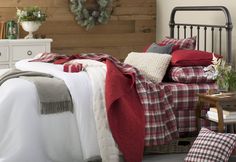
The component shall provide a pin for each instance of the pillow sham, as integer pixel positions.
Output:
(187, 43)
(155, 48)
(191, 58)
(190, 74)
(47, 57)
(211, 146)
(152, 65)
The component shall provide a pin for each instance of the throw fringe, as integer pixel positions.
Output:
(56, 107)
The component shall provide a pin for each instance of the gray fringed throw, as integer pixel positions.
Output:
(53, 93)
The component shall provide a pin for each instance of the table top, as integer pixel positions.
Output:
(223, 97)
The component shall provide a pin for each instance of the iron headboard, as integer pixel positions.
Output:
(228, 26)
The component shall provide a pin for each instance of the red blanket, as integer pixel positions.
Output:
(125, 113)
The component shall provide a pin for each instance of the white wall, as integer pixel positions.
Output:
(164, 8)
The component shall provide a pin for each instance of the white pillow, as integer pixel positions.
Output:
(151, 65)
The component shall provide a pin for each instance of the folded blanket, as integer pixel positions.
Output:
(15, 73)
(53, 93)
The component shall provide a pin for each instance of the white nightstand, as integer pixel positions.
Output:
(12, 51)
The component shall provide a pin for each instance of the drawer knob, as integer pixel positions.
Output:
(29, 52)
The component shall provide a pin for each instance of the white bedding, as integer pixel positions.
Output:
(28, 136)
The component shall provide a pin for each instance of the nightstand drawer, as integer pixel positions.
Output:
(4, 66)
(4, 56)
(25, 52)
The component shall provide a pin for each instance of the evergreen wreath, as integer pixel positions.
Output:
(88, 18)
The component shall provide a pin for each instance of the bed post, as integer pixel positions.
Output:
(228, 26)
(172, 22)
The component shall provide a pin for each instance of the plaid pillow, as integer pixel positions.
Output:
(212, 147)
(47, 57)
(190, 74)
(188, 43)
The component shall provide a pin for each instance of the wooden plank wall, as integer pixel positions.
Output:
(132, 26)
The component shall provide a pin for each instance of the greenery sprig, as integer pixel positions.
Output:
(225, 75)
(30, 14)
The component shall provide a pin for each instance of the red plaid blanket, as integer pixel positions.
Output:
(186, 122)
(184, 95)
(185, 103)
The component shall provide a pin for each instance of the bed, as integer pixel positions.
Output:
(185, 108)
(85, 135)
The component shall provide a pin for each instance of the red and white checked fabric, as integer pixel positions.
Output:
(72, 67)
(156, 99)
(187, 43)
(184, 95)
(48, 57)
(185, 103)
(211, 147)
(186, 122)
(189, 74)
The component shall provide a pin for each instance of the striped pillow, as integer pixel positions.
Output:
(187, 43)
(212, 147)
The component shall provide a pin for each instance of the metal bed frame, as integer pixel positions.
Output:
(228, 26)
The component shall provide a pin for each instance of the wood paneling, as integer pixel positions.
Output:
(131, 27)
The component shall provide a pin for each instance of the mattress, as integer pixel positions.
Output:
(185, 103)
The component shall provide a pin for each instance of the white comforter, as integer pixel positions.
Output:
(28, 136)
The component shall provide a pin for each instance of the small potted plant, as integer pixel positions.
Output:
(224, 74)
(30, 19)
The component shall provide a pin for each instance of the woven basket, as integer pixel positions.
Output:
(182, 145)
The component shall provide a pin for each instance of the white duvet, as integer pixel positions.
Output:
(28, 136)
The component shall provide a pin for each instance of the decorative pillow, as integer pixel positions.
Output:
(174, 47)
(190, 74)
(155, 48)
(191, 58)
(47, 57)
(212, 147)
(151, 65)
(188, 43)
